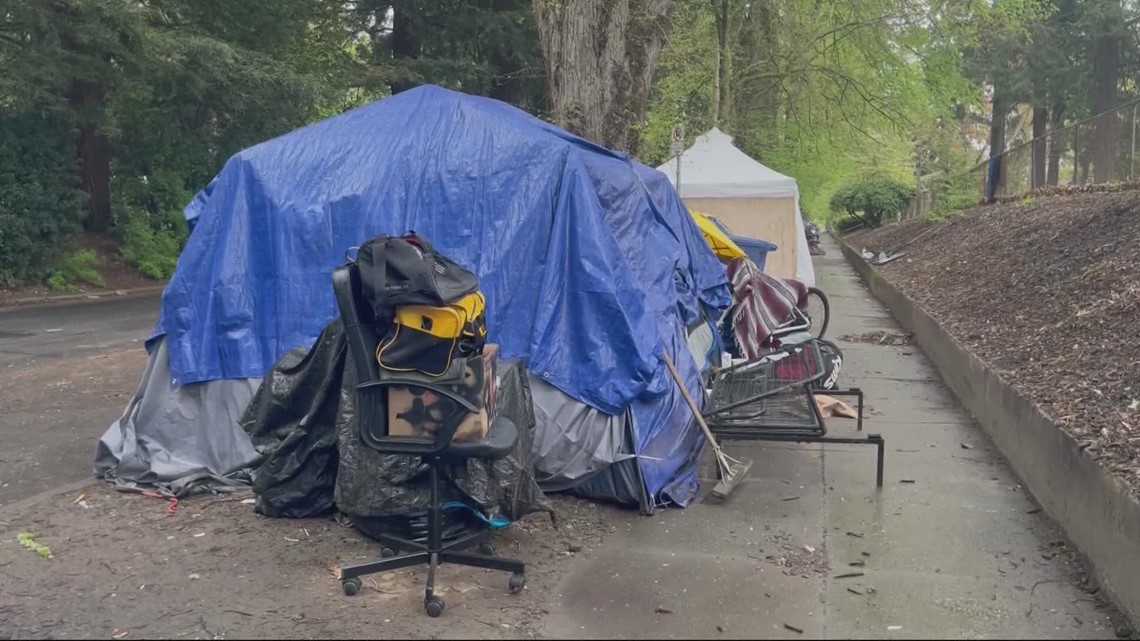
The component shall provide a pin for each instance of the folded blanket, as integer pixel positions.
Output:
(762, 304)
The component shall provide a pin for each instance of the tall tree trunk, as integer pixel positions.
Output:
(998, 112)
(770, 98)
(600, 58)
(508, 87)
(1107, 71)
(1056, 142)
(405, 42)
(1040, 147)
(87, 99)
(721, 78)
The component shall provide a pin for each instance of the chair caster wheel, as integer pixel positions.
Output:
(433, 606)
(517, 583)
(351, 587)
(486, 549)
(387, 553)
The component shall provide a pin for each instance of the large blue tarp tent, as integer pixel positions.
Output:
(589, 261)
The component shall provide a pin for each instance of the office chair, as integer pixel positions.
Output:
(438, 451)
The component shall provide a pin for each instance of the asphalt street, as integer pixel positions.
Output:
(66, 373)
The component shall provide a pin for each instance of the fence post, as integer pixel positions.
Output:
(1132, 149)
(1076, 152)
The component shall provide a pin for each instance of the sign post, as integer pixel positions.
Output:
(676, 148)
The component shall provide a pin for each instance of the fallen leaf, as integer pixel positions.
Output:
(849, 575)
(906, 480)
(966, 446)
(79, 498)
(860, 563)
(809, 549)
(661, 610)
(794, 628)
(120, 635)
(854, 591)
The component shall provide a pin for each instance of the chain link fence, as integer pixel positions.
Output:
(1097, 150)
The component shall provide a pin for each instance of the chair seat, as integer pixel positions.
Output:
(500, 440)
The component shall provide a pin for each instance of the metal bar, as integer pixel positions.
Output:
(384, 565)
(485, 562)
(881, 454)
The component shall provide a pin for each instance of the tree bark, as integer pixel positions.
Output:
(1107, 72)
(406, 43)
(1040, 147)
(600, 57)
(1056, 142)
(87, 100)
(722, 71)
(998, 112)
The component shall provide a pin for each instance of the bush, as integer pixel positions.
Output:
(874, 199)
(78, 267)
(40, 200)
(148, 215)
(151, 244)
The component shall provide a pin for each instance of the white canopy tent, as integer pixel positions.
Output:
(752, 200)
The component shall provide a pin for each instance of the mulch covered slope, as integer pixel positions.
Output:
(1048, 293)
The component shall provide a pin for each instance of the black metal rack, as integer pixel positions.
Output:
(772, 399)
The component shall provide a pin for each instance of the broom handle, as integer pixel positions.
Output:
(689, 400)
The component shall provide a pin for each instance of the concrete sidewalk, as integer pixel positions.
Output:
(960, 552)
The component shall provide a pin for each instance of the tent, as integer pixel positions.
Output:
(751, 199)
(590, 263)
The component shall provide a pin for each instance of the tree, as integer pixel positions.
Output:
(600, 61)
(1108, 20)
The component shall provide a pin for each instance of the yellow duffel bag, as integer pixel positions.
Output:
(426, 338)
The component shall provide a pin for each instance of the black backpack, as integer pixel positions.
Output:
(407, 270)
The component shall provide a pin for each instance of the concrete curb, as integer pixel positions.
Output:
(1098, 513)
(75, 299)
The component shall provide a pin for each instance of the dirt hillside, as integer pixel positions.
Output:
(1048, 292)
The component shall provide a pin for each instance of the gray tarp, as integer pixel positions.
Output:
(175, 438)
(572, 441)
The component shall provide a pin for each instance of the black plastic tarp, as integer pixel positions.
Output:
(303, 423)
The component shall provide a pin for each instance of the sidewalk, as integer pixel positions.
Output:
(959, 553)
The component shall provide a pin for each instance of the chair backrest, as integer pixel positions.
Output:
(363, 332)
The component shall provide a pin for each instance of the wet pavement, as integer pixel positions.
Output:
(806, 547)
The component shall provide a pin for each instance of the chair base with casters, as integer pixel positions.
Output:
(433, 553)
(440, 450)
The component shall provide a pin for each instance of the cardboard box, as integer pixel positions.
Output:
(410, 409)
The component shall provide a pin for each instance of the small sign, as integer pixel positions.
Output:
(677, 135)
(675, 148)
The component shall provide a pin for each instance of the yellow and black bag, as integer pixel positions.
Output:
(426, 338)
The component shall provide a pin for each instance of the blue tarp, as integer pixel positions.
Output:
(588, 260)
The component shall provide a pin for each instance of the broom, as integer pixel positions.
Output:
(732, 471)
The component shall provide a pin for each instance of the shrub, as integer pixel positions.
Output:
(874, 199)
(151, 244)
(148, 215)
(79, 267)
(40, 200)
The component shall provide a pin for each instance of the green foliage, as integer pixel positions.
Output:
(152, 243)
(27, 540)
(39, 195)
(874, 199)
(79, 267)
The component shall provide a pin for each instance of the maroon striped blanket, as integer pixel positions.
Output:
(763, 304)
